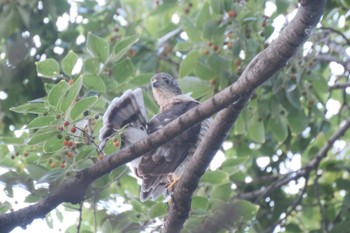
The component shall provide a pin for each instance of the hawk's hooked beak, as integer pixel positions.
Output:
(155, 84)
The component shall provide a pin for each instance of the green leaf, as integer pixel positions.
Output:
(157, 210)
(98, 47)
(93, 82)
(59, 215)
(190, 28)
(107, 226)
(92, 65)
(294, 98)
(278, 128)
(234, 162)
(297, 121)
(123, 70)
(282, 6)
(256, 129)
(40, 122)
(42, 135)
(222, 192)
(36, 108)
(245, 209)
(215, 177)
(71, 94)
(48, 68)
(204, 16)
(69, 62)
(51, 176)
(209, 28)
(199, 202)
(188, 64)
(239, 126)
(121, 48)
(57, 92)
(4, 206)
(12, 140)
(129, 185)
(218, 63)
(217, 6)
(81, 106)
(36, 171)
(196, 86)
(52, 145)
(203, 71)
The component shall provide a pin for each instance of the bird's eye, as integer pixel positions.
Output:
(167, 81)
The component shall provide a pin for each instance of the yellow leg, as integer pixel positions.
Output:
(172, 181)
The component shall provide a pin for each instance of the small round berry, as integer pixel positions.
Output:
(70, 154)
(66, 123)
(65, 142)
(116, 144)
(73, 129)
(238, 62)
(232, 14)
(52, 164)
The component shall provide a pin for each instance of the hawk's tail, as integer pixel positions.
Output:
(124, 110)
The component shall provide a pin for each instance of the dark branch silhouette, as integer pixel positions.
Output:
(258, 71)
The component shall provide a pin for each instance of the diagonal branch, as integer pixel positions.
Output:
(258, 71)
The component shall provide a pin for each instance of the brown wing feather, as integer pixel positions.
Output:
(156, 165)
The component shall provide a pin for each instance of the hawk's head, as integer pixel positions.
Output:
(164, 88)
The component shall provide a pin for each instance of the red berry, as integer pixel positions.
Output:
(232, 14)
(60, 128)
(66, 123)
(65, 143)
(52, 164)
(73, 129)
(70, 144)
(62, 165)
(70, 154)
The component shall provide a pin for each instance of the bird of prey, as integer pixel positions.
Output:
(158, 167)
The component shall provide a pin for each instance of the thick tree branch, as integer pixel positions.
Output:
(258, 71)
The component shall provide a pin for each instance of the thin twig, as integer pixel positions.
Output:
(340, 86)
(337, 32)
(323, 213)
(80, 216)
(292, 208)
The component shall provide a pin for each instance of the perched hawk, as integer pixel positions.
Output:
(158, 167)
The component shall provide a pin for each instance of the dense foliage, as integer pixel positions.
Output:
(62, 63)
